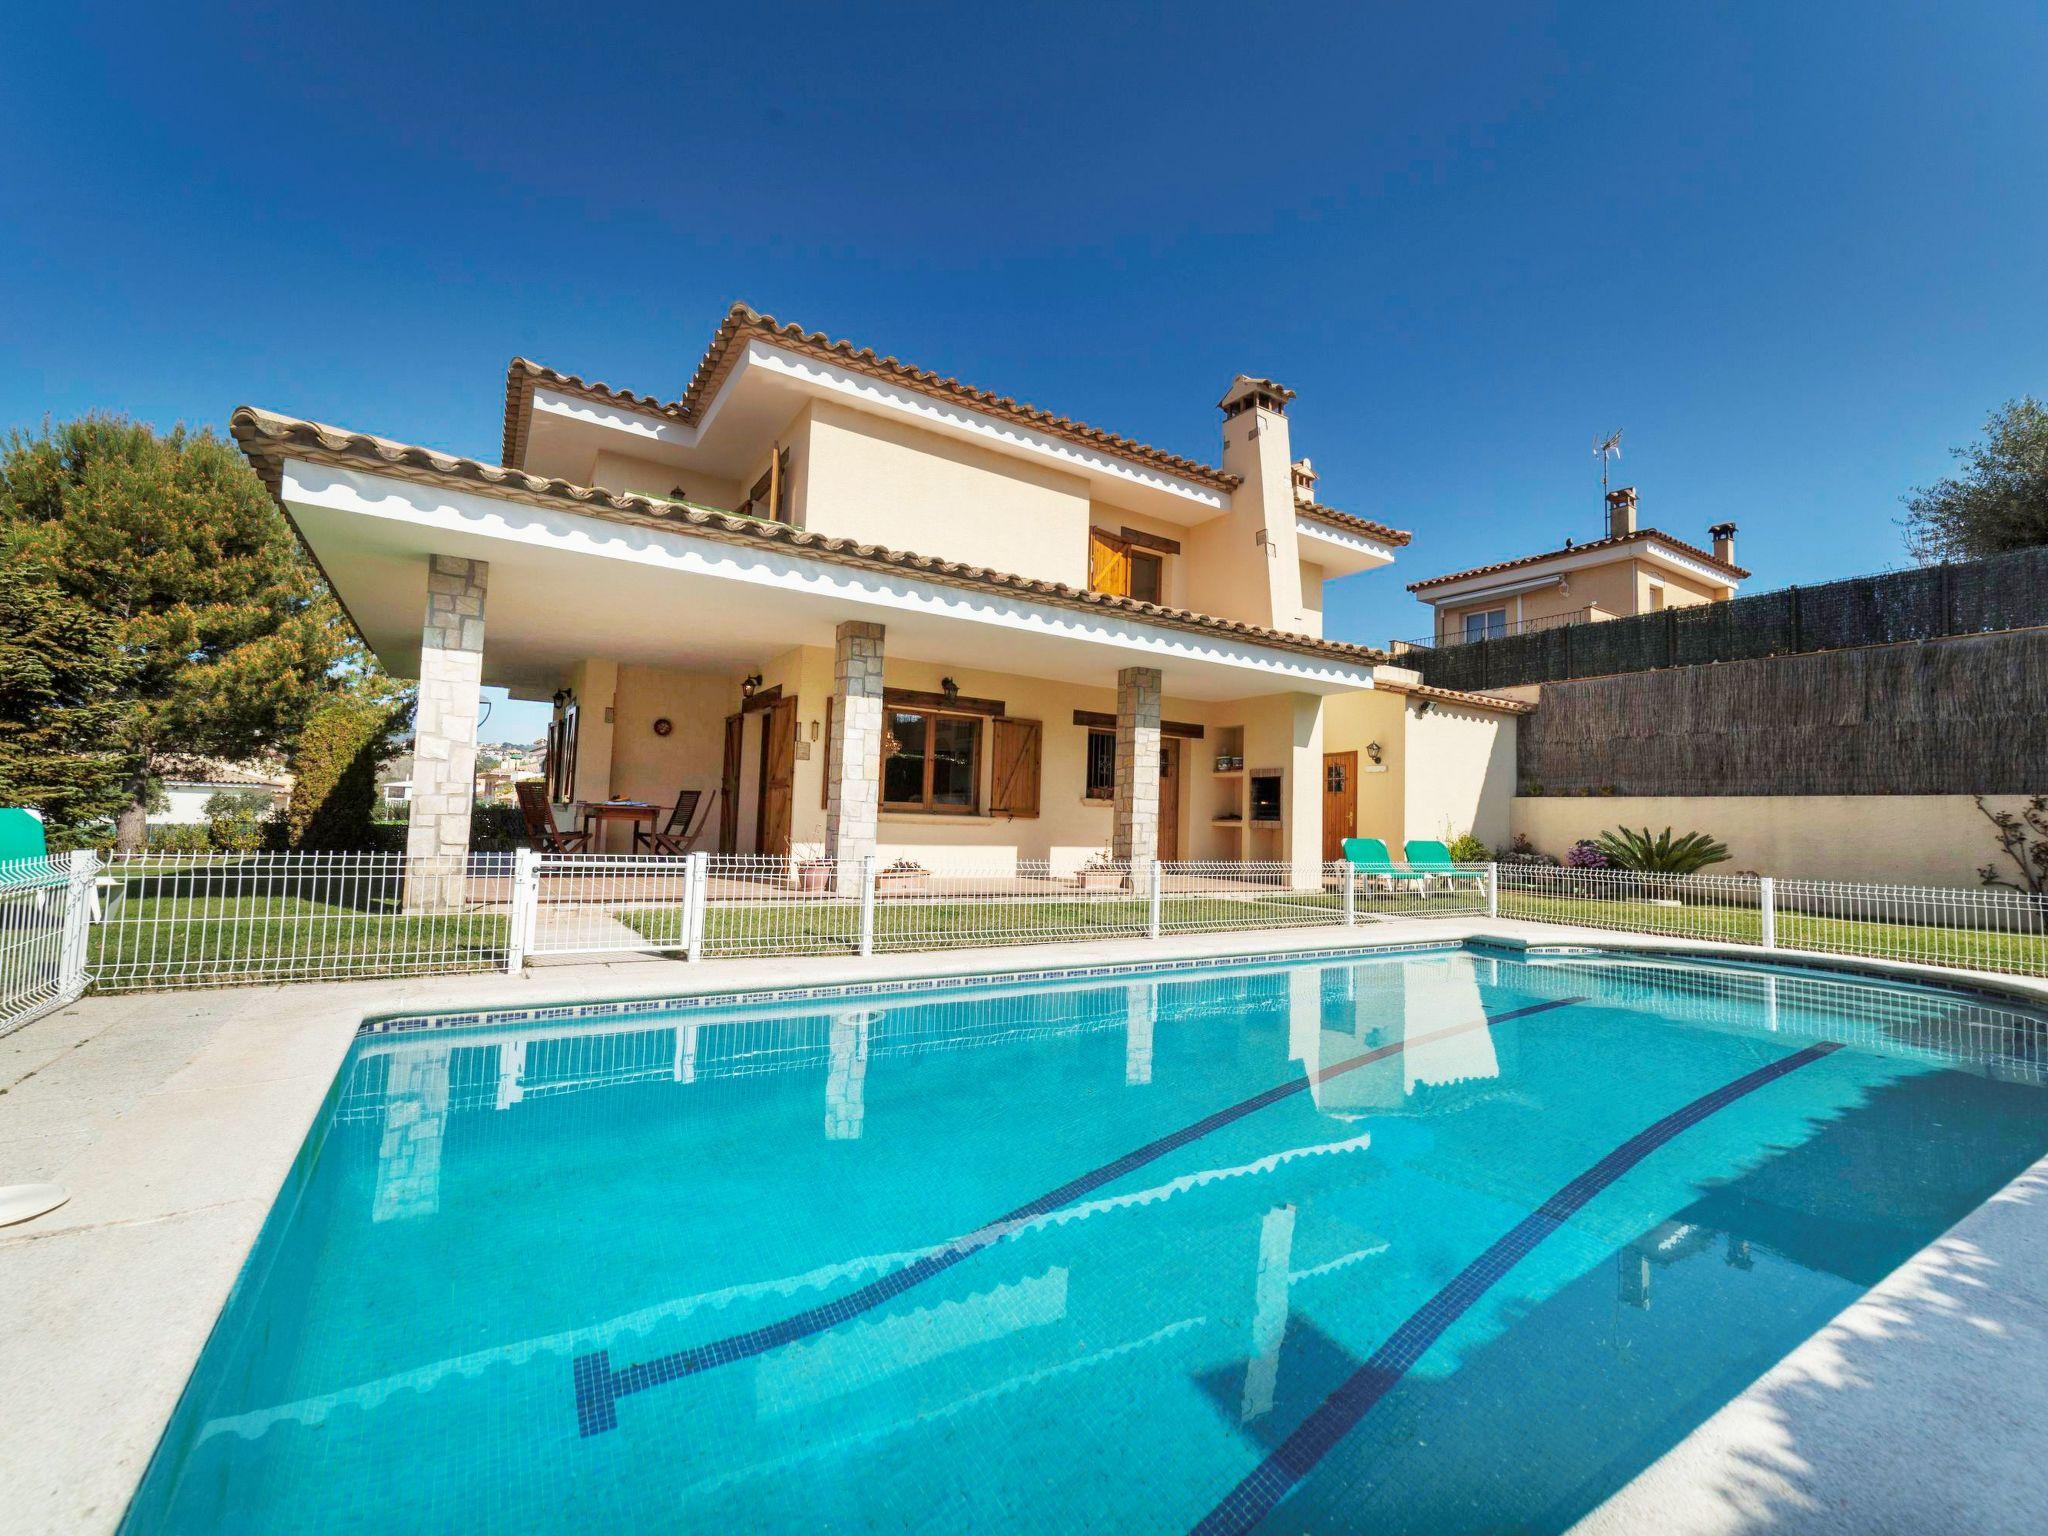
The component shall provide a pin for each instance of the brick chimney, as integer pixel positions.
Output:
(1621, 512)
(1304, 481)
(1723, 535)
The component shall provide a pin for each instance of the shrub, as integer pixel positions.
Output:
(192, 838)
(335, 763)
(1586, 854)
(1661, 855)
(496, 829)
(1524, 853)
(236, 823)
(1467, 849)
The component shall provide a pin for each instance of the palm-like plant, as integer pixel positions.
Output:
(1661, 855)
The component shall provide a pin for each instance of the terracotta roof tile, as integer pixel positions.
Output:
(1317, 512)
(1458, 696)
(724, 353)
(267, 439)
(1612, 541)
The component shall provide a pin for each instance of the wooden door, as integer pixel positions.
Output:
(729, 785)
(1340, 802)
(1169, 799)
(778, 778)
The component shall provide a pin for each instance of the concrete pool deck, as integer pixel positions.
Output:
(173, 1117)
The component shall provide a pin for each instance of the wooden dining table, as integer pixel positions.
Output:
(600, 814)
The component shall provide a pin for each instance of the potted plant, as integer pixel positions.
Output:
(903, 875)
(1100, 873)
(814, 874)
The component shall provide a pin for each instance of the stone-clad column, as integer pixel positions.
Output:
(1135, 830)
(853, 796)
(444, 728)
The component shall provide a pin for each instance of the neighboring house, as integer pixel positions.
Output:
(394, 781)
(1630, 571)
(878, 611)
(197, 780)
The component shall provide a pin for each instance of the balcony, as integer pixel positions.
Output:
(1458, 633)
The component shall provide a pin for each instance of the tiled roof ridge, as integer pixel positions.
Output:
(1365, 525)
(1459, 696)
(266, 436)
(1611, 541)
(720, 357)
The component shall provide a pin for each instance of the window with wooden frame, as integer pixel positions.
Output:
(931, 761)
(1131, 564)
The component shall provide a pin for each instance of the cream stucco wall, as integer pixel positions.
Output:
(645, 477)
(1937, 840)
(646, 766)
(1448, 769)
(888, 483)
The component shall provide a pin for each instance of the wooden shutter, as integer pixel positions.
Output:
(1109, 564)
(1016, 747)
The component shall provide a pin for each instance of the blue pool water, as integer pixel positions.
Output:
(1439, 1241)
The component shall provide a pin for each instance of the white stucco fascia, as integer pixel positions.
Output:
(870, 592)
(1344, 538)
(819, 378)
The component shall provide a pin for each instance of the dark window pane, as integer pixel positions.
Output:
(1101, 765)
(1146, 573)
(903, 762)
(953, 759)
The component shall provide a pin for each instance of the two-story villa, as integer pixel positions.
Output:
(877, 611)
(1631, 570)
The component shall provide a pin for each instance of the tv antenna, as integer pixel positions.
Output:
(1609, 447)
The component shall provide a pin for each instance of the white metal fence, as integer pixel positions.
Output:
(218, 919)
(45, 910)
(164, 920)
(1983, 930)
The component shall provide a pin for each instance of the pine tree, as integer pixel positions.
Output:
(61, 673)
(227, 636)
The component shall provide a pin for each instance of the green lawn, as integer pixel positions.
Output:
(153, 939)
(809, 926)
(1971, 949)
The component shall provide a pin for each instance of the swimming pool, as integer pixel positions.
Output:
(1428, 1240)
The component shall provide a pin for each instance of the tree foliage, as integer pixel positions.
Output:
(1662, 854)
(61, 673)
(226, 635)
(1997, 501)
(334, 768)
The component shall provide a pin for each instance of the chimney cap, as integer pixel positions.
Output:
(1246, 392)
(1721, 531)
(1621, 494)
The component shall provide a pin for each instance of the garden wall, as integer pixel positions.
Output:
(1937, 840)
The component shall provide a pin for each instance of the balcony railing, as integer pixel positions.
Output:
(1458, 635)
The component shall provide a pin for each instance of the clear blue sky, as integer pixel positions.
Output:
(1797, 251)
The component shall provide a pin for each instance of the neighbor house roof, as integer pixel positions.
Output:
(728, 344)
(1317, 512)
(268, 439)
(215, 770)
(1612, 541)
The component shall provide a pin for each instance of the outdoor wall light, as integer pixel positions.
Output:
(950, 689)
(748, 684)
(562, 697)
(1372, 750)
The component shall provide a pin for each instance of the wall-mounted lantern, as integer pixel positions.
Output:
(749, 684)
(1372, 750)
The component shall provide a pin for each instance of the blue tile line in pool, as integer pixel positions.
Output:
(1262, 1489)
(599, 1387)
(813, 992)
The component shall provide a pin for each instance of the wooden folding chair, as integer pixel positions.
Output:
(685, 825)
(539, 817)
